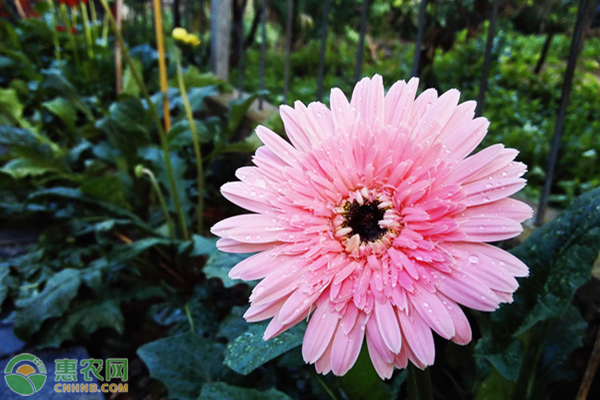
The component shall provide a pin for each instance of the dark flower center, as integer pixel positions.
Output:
(364, 220)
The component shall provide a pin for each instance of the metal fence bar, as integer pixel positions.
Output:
(361, 40)
(220, 28)
(263, 49)
(322, 52)
(584, 13)
(485, 70)
(420, 32)
(240, 48)
(288, 47)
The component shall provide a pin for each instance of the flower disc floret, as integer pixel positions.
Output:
(372, 221)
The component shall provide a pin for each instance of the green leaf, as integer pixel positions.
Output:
(130, 86)
(20, 168)
(560, 256)
(55, 80)
(106, 188)
(237, 112)
(223, 391)
(126, 127)
(10, 106)
(249, 351)
(157, 158)
(77, 195)
(362, 381)
(200, 246)
(84, 320)
(494, 387)
(219, 264)
(64, 110)
(184, 363)
(566, 334)
(4, 271)
(180, 134)
(53, 301)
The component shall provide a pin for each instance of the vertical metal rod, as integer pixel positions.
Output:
(323, 48)
(361, 39)
(263, 49)
(584, 12)
(420, 32)
(487, 57)
(240, 48)
(288, 47)
(220, 33)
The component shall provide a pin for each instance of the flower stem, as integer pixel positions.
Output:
(189, 317)
(55, 33)
(162, 201)
(190, 117)
(67, 22)
(94, 22)
(161, 132)
(419, 383)
(86, 27)
(162, 68)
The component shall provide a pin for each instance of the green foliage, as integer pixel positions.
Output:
(249, 351)
(184, 363)
(560, 255)
(223, 391)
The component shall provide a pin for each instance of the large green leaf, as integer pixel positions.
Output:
(10, 106)
(223, 391)
(219, 264)
(249, 351)
(64, 110)
(106, 188)
(84, 320)
(560, 256)
(20, 168)
(184, 363)
(53, 301)
(180, 134)
(55, 80)
(130, 86)
(237, 112)
(77, 195)
(127, 126)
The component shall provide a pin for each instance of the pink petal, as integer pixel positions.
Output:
(466, 138)
(342, 114)
(297, 304)
(319, 333)
(505, 208)
(399, 102)
(433, 312)
(233, 246)
(241, 194)
(461, 323)
(486, 229)
(264, 311)
(293, 128)
(346, 347)
(388, 326)
(468, 291)
(277, 145)
(419, 338)
(493, 254)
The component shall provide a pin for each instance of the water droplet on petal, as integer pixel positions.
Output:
(473, 259)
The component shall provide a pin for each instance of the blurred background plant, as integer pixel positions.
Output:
(124, 264)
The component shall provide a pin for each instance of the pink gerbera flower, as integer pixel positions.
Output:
(371, 224)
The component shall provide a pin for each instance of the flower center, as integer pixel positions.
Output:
(364, 220)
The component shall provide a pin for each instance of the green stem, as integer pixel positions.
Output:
(105, 31)
(190, 117)
(86, 27)
(162, 201)
(189, 317)
(55, 33)
(94, 21)
(161, 132)
(64, 14)
(419, 383)
(535, 346)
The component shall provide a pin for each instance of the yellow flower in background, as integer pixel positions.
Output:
(191, 39)
(179, 34)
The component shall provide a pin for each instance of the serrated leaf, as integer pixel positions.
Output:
(223, 391)
(10, 106)
(219, 264)
(84, 320)
(560, 256)
(249, 351)
(130, 86)
(180, 134)
(184, 363)
(55, 80)
(53, 301)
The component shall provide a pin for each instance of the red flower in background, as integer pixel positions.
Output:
(72, 3)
